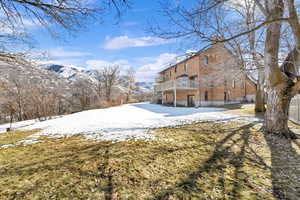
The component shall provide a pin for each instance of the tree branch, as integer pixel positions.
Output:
(254, 29)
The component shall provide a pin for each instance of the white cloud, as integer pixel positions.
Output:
(61, 52)
(146, 68)
(98, 64)
(19, 27)
(124, 41)
(149, 71)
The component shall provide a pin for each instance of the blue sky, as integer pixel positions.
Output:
(126, 43)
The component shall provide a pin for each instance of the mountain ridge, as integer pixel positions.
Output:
(72, 73)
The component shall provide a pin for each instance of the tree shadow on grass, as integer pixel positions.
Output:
(216, 164)
(81, 166)
(285, 167)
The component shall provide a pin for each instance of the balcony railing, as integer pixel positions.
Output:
(160, 79)
(179, 84)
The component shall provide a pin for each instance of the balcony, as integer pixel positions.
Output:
(160, 79)
(178, 84)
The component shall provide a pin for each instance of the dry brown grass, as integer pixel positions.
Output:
(14, 136)
(207, 160)
(242, 109)
(248, 110)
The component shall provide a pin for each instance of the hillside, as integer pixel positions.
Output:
(30, 75)
(72, 73)
(38, 92)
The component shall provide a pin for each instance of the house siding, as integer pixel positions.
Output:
(238, 88)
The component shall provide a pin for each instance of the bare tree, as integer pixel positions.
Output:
(99, 83)
(110, 76)
(30, 92)
(250, 48)
(70, 15)
(281, 81)
(15, 45)
(7, 104)
(129, 76)
(82, 91)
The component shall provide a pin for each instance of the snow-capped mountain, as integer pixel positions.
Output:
(70, 72)
(73, 73)
(147, 85)
(30, 75)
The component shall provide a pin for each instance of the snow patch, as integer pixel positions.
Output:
(22, 142)
(122, 123)
(16, 125)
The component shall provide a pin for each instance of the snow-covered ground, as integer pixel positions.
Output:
(16, 125)
(131, 121)
(21, 124)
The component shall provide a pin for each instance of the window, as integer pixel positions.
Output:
(225, 96)
(206, 96)
(205, 59)
(185, 67)
(175, 68)
(233, 83)
(170, 73)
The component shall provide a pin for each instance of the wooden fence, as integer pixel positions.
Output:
(294, 112)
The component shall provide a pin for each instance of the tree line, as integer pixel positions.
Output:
(42, 96)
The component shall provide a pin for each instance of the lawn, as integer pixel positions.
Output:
(208, 160)
(11, 138)
(246, 109)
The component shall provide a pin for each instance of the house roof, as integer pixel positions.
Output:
(186, 57)
(180, 59)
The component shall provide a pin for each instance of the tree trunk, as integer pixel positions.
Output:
(11, 120)
(260, 93)
(108, 94)
(259, 99)
(279, 87)
(277, 113)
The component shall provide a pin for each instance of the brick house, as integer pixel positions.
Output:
(206, 78)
